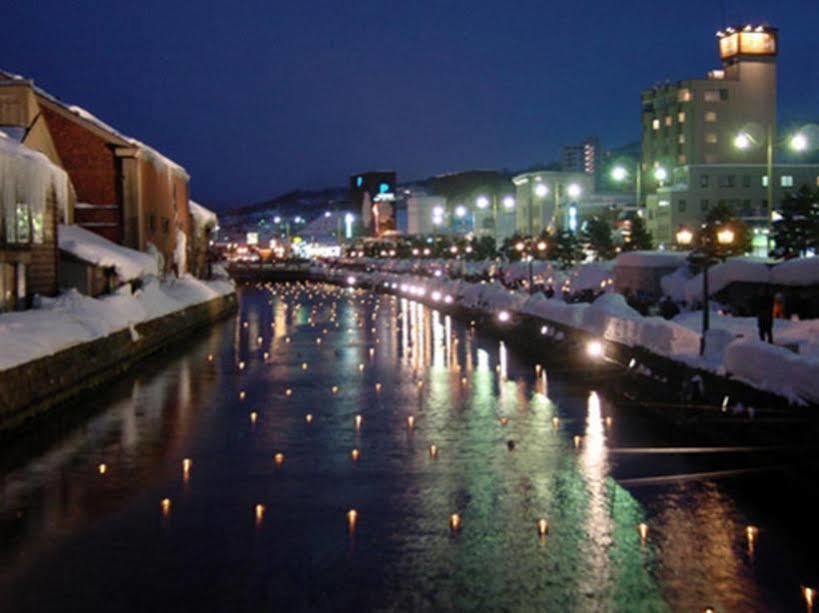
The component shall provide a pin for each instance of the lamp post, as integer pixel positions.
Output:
(797, 142)
(704, 255)
(620, 174)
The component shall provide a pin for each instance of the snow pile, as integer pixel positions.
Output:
(774, 368)
(94, 249)
(740, 269)
(72, 318)
(594, 275)
(27, 176)
(800, 271)
(652, 259)
(674, 284)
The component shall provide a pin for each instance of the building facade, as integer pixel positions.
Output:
(373, 193)
(121, 188)
(33, 195)
(584, 156)
(694, 189)
(549, 200)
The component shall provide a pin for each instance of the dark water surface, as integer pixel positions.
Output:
(75, 539)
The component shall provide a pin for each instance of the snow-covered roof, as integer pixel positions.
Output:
(801, 271)
(94, 249)
(150, 153)
(26, 176)
(652, 259)
(202, 217)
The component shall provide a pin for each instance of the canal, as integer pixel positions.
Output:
(221, 477)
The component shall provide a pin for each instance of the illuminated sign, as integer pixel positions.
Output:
(359, 181)
(747, 43)
(252, 238)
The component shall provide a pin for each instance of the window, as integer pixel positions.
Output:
(681, 117)
(22, 290)
(704, 205)
(37, 228)
(723, 94)
(764, 180)
(684, 95)
(786, 180)
(681, 206)
(711, 116)
(681, 138)
(655, 124)
(711, 95)
(18, 224)
(711, 137)
(152, 223)
(726, 180)
(746, 180)
(663, 203)
(703, 180)
(668, 120)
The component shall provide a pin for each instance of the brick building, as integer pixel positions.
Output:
(122, 189)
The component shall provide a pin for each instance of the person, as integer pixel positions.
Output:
(764, 315)
(668, 309)
(550, 291)
(779, 305)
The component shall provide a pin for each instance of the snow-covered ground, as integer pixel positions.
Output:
(731, 347)
(72, 318)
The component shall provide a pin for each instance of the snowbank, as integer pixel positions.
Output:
(774, 368)
(72, 318)
(94, 249)
(801, 271)
(720, 276)
(652, 259)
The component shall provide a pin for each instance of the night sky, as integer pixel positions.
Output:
(257, 98)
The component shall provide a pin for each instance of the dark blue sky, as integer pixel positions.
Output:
(257, 97)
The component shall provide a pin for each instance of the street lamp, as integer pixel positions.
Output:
(620, 174)
(508, 203)
(541, 191)
(798, 142)
(661, 174)
(725, 236)
(482, 202)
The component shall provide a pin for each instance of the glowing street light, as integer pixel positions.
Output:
(541, 191)
(661, 174)
(685, 236)
(799, 142)
(619, 173)
(482, 202)
(594, 349)
(573, 190)
(460, 211)
(725, 236)
(508, 203)
(743, 140)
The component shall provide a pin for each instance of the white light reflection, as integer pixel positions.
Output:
(599, 525)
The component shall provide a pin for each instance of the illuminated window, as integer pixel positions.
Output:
(711, 95)
(764, 180)
(710, 116)
(786, 181)
(684, 95)
(711, 137)
(681, 138)
(668, 120)
(681, 117)
(655, 124)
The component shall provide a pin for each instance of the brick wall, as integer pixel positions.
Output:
(165, 206)
(92, 167)
(42, 270)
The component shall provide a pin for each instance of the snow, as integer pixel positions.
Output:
(72, 318)
(774, 368)
(202, 218)
(94, 249)
(652, 259)
(800, 271)
(739, 269)
(26, 176)
(674, 284)
(180, 251)
(731, 345)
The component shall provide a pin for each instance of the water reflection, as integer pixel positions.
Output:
(281, 498)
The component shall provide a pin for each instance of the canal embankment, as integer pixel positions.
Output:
(74, 344)
(649, 350)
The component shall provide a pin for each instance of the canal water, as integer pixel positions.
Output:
(168, 493)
